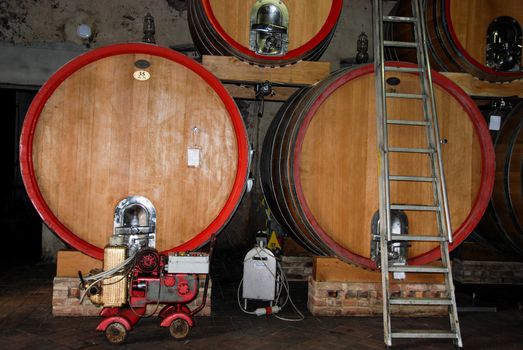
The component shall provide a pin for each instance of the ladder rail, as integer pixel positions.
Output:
(449, 284)
(428, 114)
(384, 223)
(442, 183)
(382, 130)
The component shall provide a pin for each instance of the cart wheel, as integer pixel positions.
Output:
(179, 329)
(116, 333)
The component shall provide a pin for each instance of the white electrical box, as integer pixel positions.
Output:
(259, 275)
(188, 263)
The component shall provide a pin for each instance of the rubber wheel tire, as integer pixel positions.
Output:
(115, 333)
(179, 329)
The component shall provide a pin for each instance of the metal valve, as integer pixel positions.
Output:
(269, 27)
(504, 40)
(148, 29)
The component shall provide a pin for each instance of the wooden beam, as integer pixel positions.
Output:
(475, 87)
(232, 69)
(327, 269)
(69, 262)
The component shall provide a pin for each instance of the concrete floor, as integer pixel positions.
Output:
(26, 322)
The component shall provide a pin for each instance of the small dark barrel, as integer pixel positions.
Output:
(482, 38)
(122, 120)
(502, 224)
(264, 32)
(319, 164)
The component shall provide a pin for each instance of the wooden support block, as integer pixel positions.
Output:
(302, 73)
(69, 262)
(327, 269)
(475, 87)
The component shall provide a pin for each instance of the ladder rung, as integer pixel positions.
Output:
(411, 178)
(414, 207)
(408, 122)
(418, 238)
(401, 95)
(400, 19)
(429, 334)
(420, 301)
(403, 69)
(418, 269)
(400, 43)
(410, 150)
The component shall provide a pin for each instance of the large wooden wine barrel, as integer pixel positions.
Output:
(119, 121)
(502, 225)
(224, 28)
(319, 165)
(458, 35)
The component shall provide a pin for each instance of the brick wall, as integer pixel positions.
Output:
(297, 268)
(487, 272)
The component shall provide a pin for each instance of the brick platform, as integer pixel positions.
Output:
(365, 298)
(340, 289)
(66, 299)
(297, 268)
(487, 272)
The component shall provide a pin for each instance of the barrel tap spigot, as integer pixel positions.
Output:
(148, 29)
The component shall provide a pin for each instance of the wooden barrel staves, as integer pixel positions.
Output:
(480, 37)
(319, 165)
(502, 225)
(264, 32)
(123, 120)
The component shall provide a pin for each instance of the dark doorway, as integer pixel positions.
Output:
(20, 223)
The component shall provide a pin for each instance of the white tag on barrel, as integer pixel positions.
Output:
(495, 122)
(193, 157)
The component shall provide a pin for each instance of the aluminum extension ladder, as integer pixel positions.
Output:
(433, 151)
